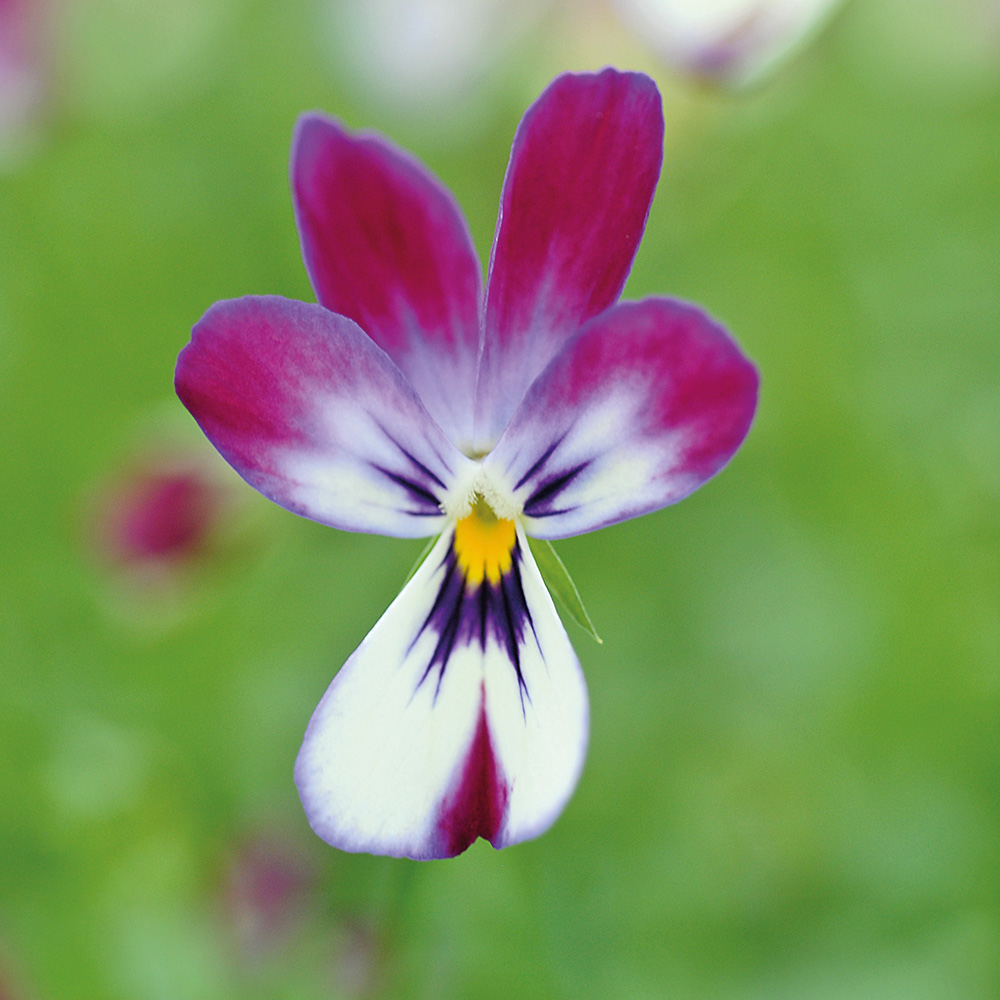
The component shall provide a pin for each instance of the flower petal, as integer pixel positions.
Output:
(644, 405)
(312, 413)
(462, 714)
(385, 244)
(583, 168)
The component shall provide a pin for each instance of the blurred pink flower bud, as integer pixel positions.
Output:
(159, 514)
(266, 892)
(23, 68)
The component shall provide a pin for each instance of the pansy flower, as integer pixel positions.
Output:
(410, 403)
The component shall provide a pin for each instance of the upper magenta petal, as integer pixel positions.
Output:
(312, 413)
(385, 244)
(583, 168)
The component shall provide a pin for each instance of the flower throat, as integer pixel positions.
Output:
(484, 544)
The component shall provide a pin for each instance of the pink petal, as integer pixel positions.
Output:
(583, 168)
(649, 401)
(312, 413)
(385, 244)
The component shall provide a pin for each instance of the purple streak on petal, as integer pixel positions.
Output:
(583, 168)
(385, 244)
(478, 805)
(647, 402)
(546, 490)
(496, 613)
(312, 413)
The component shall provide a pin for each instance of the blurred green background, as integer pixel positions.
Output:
(793, 784)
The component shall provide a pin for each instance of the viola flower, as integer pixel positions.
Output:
(410, 404)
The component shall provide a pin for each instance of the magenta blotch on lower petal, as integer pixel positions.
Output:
(477, 806)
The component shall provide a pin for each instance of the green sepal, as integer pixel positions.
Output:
(561, 584)
(424, 553)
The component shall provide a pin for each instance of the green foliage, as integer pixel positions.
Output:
(791, 788)
(561, 584)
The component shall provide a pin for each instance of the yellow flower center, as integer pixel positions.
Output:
(484, 544)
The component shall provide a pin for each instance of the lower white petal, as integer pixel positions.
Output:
(462, 714)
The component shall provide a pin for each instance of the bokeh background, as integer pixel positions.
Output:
(793, 785)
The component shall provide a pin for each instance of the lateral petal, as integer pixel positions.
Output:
(583, 168)
(308, 410)
(385, 243)
(644, 405)
(462, 714)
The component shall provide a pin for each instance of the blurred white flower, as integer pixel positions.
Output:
(418, 53)
(735, 41)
